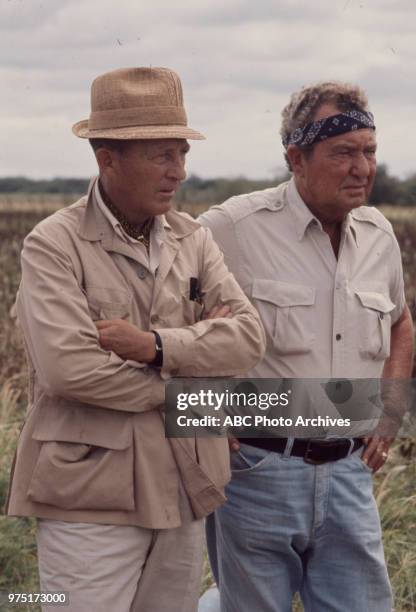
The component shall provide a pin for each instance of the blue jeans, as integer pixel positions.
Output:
(290, 526)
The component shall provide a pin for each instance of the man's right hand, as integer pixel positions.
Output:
(234, 444)
(219, 311)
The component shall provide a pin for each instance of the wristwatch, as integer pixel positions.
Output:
(158, 360)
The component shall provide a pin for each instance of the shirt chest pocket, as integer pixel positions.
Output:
(287, 311)
(374, 324)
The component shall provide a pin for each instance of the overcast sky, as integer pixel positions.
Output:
(239, 61)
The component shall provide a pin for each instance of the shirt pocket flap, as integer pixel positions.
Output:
(283, 294)
(375, 301)
(86, 425)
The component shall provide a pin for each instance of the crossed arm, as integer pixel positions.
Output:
(131, 343)
(75, 361)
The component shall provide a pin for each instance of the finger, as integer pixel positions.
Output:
(104, 323)
(223, 311)
(212, 313)
(218, 311)
(378, 455)
(234, 444)
(379, 464)
(380, 461)
(370, 449)
(104, 340)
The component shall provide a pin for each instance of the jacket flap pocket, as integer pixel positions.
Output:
(283, 294)
(83, 425)
(110, 310)
(105, 302)
(375, 301)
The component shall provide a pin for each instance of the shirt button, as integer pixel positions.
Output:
(338, 337)
(154, 318)
(141, 273)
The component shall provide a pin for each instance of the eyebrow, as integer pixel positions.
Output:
(352, 147)
(162, 148)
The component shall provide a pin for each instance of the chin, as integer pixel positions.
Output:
(355, 202)
(164, 208)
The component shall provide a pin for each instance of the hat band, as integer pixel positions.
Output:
(135, 116)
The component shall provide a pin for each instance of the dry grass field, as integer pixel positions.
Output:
(395, 485)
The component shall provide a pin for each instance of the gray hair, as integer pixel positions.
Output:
(120, 146)
(304, 104)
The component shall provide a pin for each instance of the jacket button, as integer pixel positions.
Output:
(154, 318)
(141, 273)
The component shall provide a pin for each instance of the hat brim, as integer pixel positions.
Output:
(142, 132)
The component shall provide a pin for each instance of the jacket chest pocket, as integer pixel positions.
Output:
(108, 303)
(374, 324)
(84, 463)
(176, 309)
(287, 313)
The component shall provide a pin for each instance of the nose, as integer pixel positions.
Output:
(360, 166)
(176, 169)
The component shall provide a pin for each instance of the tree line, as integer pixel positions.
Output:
(387, 189)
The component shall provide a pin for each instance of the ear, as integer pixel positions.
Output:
(105, 160)
(296, 159)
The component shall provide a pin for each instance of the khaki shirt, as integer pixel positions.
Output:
(93, 447)
(324, 317)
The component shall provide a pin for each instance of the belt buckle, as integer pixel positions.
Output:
(307, 456)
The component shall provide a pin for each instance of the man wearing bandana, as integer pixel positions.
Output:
(325, 273)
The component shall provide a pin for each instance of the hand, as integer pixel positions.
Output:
(126, 340)
(233, 444)
(376, 451)
(219, 311)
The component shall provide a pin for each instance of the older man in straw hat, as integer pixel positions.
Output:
(111, 301)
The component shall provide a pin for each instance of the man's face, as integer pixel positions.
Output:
(339, 174)
(146, 176)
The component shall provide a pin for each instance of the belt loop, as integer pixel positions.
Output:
(288, 448)
(351, 447)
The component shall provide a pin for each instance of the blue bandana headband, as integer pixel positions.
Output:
(319, 130)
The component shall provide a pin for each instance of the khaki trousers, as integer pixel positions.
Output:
(113, 568)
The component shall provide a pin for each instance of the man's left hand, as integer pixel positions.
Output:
(126, 340)
(376, 451)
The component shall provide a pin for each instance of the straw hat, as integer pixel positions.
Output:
(136, 103)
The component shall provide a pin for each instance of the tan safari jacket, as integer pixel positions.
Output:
(93, 447)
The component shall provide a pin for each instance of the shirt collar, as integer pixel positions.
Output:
(304, 217)
(350, 226)
(160, 223)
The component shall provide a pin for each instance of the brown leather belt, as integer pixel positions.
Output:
(312, 451)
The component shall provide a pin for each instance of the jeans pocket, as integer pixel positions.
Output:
(358, 460)
(248, 461)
